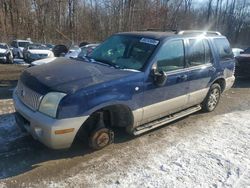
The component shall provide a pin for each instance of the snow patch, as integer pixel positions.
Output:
(214, 153)
(8, 130)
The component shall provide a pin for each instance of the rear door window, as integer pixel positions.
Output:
(208, 53)
(199, 52)
(224, 49)
(196, 53)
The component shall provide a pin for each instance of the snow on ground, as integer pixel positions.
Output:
(206, 152)
(215, 153)
(8, 130)
(9, 133)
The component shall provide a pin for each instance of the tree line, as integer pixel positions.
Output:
(74, 21)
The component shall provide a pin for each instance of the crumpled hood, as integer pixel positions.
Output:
(67, 75)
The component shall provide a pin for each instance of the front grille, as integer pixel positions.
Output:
(29, 97)
(2, 55)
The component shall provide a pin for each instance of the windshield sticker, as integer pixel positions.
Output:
(149, 41)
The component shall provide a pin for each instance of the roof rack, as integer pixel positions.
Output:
(183, 32)
(159, 29)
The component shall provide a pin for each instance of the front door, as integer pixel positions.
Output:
(160, 101)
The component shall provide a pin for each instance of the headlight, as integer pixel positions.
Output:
(50, 103)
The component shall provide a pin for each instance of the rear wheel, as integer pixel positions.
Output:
(212, 99)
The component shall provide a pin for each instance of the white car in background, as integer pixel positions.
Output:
(17, 47)
(73, 52)
(84, 51)
(6, 55)
(43, 61)
(237, 51)
(35, 52)
(87, 50)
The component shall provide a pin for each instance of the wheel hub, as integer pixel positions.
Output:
(102, 139)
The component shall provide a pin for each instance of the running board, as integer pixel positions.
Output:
(152, 125)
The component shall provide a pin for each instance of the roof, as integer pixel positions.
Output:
(160, 35)
(23, 41)
(149, 34)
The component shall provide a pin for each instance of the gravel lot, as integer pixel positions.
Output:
(202, 150)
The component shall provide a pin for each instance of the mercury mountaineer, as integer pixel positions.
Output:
(134, 80)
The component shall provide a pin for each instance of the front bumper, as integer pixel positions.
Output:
(43, 128)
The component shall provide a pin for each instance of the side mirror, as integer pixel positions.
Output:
(160, 77)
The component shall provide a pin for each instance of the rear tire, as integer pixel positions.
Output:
(212, 99)
(101, 138)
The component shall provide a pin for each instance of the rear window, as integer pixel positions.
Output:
(247, 51)
(23, 44)
(224, 49)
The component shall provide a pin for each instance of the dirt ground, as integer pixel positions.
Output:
(9, 74)
(201, 150)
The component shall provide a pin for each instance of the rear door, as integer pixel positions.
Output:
(201, 69)
(225, 57)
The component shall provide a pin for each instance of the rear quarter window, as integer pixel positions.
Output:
(223, 48)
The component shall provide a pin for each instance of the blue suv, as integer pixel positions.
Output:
(135, 80)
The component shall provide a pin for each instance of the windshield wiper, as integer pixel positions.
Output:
(107, 63)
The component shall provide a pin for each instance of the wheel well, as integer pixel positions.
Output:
(222, 83)
(113, 116)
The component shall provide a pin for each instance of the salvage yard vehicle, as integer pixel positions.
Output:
(36, 51)
(87, 50)
(135, 80)
(243, 63)
(237, 51)
(6, 55)
(73, 52)
(18, 46)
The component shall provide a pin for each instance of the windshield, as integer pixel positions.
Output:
(37, 47)
(23, 44)
(3, 46)
(126, 52)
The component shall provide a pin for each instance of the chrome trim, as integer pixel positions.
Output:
(28, 97)
(207, 65)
